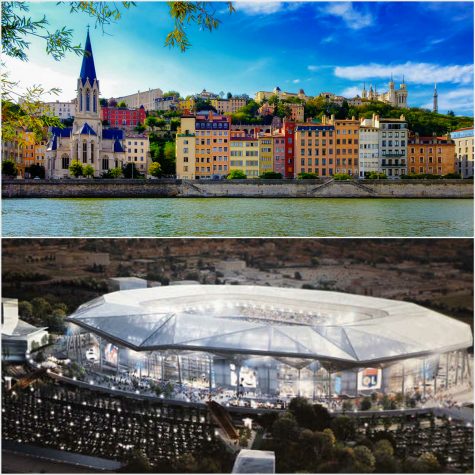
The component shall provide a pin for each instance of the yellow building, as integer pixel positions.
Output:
(266, 154)
(245, 155)
(202, 146)
(228, 106)
(185, 148)
(137, 150)
(187, 104)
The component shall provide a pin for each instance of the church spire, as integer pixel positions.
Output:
(88, 69)
(435, 107)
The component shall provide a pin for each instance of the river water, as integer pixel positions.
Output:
(237, 217)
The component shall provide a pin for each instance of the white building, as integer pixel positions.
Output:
(369, 146)
(18, 337)
(63, 110)
(464, 155)
(393, 137)
(166, 103)
(142, 98)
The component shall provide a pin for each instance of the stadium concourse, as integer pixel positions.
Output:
(259, 347)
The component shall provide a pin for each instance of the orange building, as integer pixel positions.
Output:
(431, 155)
(347, 146)
(327, 148)
(25, 151)
(212, 149)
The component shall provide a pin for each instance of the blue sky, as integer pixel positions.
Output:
(317, 46)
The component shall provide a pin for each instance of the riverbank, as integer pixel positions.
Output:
(254, 188)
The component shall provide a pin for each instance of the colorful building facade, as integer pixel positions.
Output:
(245, 155)
(431, 155)
(123, 116)
(266, 153)
(464, 155)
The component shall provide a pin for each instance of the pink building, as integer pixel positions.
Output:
(279, 153)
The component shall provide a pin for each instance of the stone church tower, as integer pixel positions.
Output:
(87, 127)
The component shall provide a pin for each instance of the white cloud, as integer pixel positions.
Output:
(313, 67)
(421, 73)
(327, 39)
(259, 8)
(30, 73)
(346, 11)
(351, 92)
(296, 81)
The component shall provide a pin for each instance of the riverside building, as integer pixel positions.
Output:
(463, 139)
(431, 155)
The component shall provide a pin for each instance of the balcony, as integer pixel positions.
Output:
(393, 154)
(185, 135)
(393, 165)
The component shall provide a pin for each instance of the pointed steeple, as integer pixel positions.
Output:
(435, 107)
(88, 69)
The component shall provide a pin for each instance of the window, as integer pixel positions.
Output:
(84, 152)
(88, 100)
(105, 163)
(65, 162)
(92, 152)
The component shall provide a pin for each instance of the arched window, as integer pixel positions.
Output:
(84, 152)
(92, 152)
(88, 100)
(80, 99)
(65, 161)
(105, 162)
(94, 102)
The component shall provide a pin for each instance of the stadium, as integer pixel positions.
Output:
(255, 346)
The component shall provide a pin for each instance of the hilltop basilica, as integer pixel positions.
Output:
(86, 141)
(394, 97)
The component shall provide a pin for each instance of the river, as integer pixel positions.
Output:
(236, 217)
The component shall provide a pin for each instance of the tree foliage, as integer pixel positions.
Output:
(203, 14)
(9, 168)
(236, 175)
(76, 169)
(155, 169)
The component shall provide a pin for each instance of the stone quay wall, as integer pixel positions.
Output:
(89, 188)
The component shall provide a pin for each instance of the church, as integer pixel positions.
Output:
(86, 141)
(394, 97)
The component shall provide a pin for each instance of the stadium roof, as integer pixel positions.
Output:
(349, 330)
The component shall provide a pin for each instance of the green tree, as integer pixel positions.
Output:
(307, 176)
(76, 169)
(271, 176)
(122, 104)
(155, 169)
(88, 170)
(172, 94)
(236, 175)
(41, 307)
(343, 427)
(9, 168)
(115, 172)
(151, 122)
(285, 427)
(36, 171)
(364, 459)
(341, 176)
(103, 102)
(130, 171)
(137, 462)
(429, 462)
(25, 309)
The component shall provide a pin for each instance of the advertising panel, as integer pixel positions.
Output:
(111, 353)
(369, 378)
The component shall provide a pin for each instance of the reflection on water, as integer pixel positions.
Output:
(237, 217)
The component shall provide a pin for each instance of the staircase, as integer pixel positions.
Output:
(223, 419)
